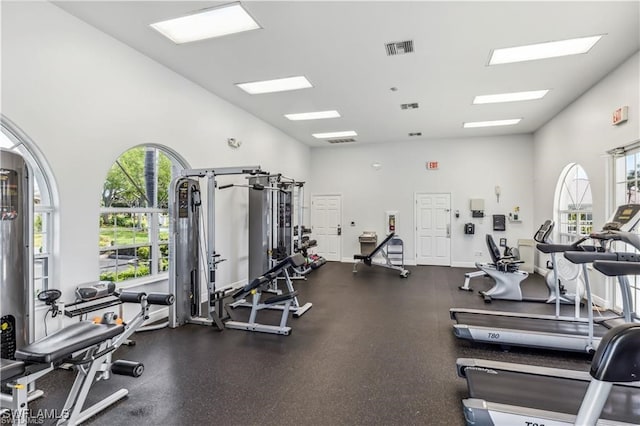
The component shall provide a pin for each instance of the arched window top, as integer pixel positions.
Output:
(573, 203)
(14, 139)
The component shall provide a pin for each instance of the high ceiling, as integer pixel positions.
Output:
(340, 48)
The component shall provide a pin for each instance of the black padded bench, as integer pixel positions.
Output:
(87, 345)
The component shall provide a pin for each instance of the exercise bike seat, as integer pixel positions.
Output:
(65, 342)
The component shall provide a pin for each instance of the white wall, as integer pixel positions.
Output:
(85, 98)
(582, 133)
(469, 168)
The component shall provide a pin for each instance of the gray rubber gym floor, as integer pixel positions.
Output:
(375, 349)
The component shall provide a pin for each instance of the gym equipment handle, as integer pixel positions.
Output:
(127, 368)
(160, 299)
(132, 297)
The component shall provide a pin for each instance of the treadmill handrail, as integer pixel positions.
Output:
(613, 235)
(614, 268)
(560, 248)
(579, 257)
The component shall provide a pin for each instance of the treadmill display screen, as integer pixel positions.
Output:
(625, 218)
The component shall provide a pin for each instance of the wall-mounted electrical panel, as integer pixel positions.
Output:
(476, 205)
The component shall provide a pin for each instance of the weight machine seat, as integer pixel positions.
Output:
(281, 298)
(10, 368)
(65, 342)
(494, 251)
(367, 257)
(295, 260)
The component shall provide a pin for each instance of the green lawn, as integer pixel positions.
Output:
(125, 236)
(122, 236)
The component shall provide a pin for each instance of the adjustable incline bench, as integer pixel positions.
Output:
(88, 346)
(282, 301)
(367, 259)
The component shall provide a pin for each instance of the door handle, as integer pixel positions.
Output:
(339, 230)
(448, 230)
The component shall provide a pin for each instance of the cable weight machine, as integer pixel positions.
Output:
(273, 237)
(192, 235)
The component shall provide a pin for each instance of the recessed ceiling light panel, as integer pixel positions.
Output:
(344, 134)
(510, 97)
(552, 49)
(210, 23)
(318, 115)
(277, 85)
(475, 124)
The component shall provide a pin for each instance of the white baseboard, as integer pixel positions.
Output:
(541, 271)
(463, 264)
(351, 260)
(597, 300)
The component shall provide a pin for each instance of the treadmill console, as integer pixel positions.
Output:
(624, 219)
(542, 235)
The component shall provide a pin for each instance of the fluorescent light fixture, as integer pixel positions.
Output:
(510, 97)
(318, 115)
(552, 49)
(509, 122)
(345, 134)
(215, 22)
(278, 85)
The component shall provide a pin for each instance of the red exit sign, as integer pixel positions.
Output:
(432, 165)
(620, 115)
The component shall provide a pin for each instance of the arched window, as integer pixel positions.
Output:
(573, 204)
(134, 216)
(44, 199)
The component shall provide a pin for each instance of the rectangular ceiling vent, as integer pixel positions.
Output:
(409, 106)
(399, 47)
(344, 140)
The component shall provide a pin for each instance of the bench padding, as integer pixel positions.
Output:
(10, 368)
(63, 343)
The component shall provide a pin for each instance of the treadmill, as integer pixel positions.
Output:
(557, 332)
(513, 394)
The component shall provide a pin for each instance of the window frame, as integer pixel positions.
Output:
(570, 229)
(42, 176)
(153, 218)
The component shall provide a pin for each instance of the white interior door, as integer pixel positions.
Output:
(326, 214)
(433, 229)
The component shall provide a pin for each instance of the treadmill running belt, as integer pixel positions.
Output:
(529, 324)
(550, 393)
